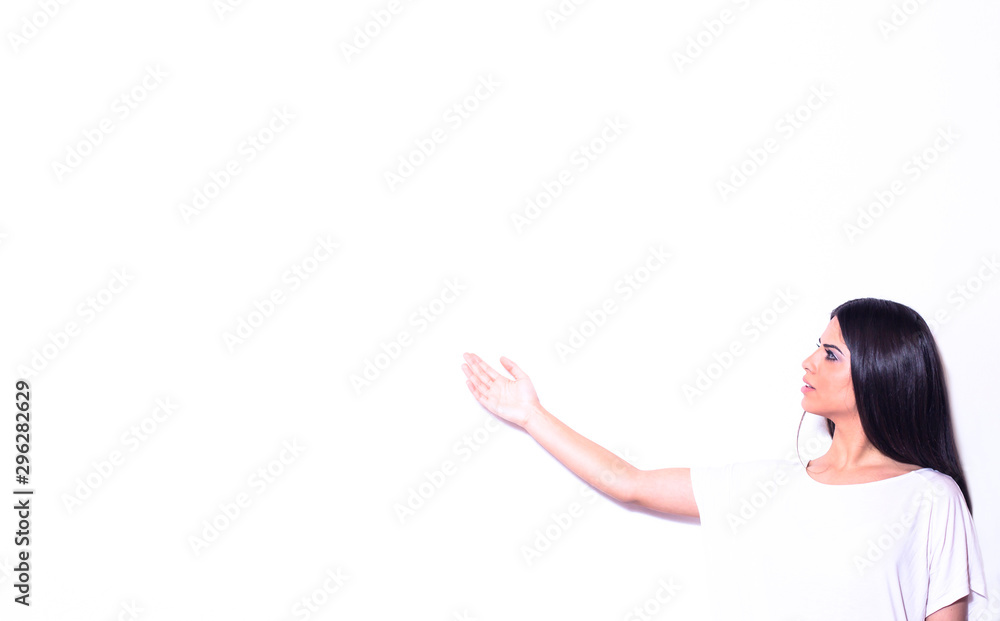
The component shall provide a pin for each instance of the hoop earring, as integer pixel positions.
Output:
(797, 440)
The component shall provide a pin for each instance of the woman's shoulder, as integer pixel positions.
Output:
(939, 483)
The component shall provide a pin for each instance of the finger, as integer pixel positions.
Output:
(482, 399)
(484, 368)
(475, 379)
(477, 368)
(513, 368)
(475, 392)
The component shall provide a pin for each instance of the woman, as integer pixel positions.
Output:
(879, 527)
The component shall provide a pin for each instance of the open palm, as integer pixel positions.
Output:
(511, 399)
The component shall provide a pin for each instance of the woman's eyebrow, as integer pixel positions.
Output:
(828, 345)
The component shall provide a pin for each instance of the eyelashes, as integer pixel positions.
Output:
(829, 353)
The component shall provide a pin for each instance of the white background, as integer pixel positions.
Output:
(334, 507)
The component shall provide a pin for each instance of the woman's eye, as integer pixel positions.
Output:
(829, 355)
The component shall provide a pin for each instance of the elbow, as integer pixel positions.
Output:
(622, 482)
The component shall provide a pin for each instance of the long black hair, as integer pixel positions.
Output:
(899, 386)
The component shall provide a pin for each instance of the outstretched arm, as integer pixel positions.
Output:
(667, 490)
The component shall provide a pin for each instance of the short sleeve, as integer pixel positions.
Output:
(711, 486)
(954, 562)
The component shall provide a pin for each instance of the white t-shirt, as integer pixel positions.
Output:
(782, 546)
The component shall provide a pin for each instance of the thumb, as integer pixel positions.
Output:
(513, 368)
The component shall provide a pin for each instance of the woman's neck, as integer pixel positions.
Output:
(851, 450)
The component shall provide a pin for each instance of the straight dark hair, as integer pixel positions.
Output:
(899, 386)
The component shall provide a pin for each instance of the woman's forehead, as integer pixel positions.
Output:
(832, 333)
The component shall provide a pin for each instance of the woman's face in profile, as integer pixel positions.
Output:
(828, 371)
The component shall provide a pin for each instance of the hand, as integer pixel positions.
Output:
(512, 400)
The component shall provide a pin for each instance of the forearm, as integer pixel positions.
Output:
(590, 461)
